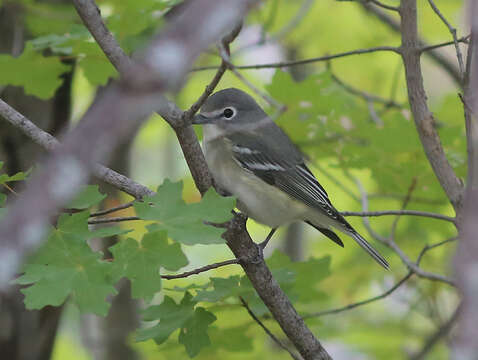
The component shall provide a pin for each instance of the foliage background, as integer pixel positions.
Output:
(335, 128)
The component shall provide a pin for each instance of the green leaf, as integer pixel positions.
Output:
(39, 75)
(87, 197)
(96, 66)
(192, 322)
(171, 317)
(185, 222)
(222, 288)
(66, 266)
(194, 334)
(4, 178)
(140, 261)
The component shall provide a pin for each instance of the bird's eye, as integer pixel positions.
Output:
(228, 113)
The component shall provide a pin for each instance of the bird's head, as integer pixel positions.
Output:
(228, 109)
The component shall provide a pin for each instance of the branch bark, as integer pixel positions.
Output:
(270, 292)
(50, 143)
(252, 261)
(238, 238)
(466, 263)
(110, 119)
(434, 55)
(424, 121)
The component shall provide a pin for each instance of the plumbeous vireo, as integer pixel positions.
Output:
(251, 158)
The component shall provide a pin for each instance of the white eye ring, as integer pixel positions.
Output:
(228, 113)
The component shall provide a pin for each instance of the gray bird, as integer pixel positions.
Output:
(251, 158)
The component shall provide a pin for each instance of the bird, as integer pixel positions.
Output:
(253, 159)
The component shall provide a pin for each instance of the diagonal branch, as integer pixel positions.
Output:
(117, 114)
(267, 331)
(424, 120)
(238, 239)
(383, 295)
(201, 269)
(393, 245)
(439, 58)
(50, 143)
(270, 292)
(452, 30)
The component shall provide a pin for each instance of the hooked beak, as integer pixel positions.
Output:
(200, 119)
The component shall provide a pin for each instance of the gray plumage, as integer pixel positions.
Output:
(252, 158)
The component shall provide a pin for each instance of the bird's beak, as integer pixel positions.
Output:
(200, 119)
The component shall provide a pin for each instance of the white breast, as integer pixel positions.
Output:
(259, 200)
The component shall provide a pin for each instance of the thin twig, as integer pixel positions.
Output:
(226, 58)
(292, 24)
(405, 202)
(113, 219)
(382, 5)
(422, 116)
(201, 269)
(49, 142)
(453, 34)
(267, 331)
(8, 187)
(283, 64)
(285, 30)
(363, 302)
(392, 244)
(339, 183)
(464, 39)
(112, 210)
(441, 59)
(188, 114)
(384, 294)
(305, 61)
(400, 213)
(437, 335)
(427, 247)
(389, 103)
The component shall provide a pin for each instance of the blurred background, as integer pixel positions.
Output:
(349, 115)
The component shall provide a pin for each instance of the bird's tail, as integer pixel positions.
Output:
(368, 248)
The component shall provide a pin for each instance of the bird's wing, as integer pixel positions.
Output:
(279, 163)
(275, 160)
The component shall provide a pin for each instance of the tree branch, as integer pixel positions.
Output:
(465, 262)
(382, 5)
(363, 302)
(282, 64)
(201, 269)
(434, 55)
(400, 213)
(119, 111)
(452, 30)
(49, 142)
(266, 330)
(306, 61)
(384, 294)
(90, 14)
(270, 292)
(393, 245)
(113, 220)
(424, 121)
(442, 331)
(113, 209)
(240, 242)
